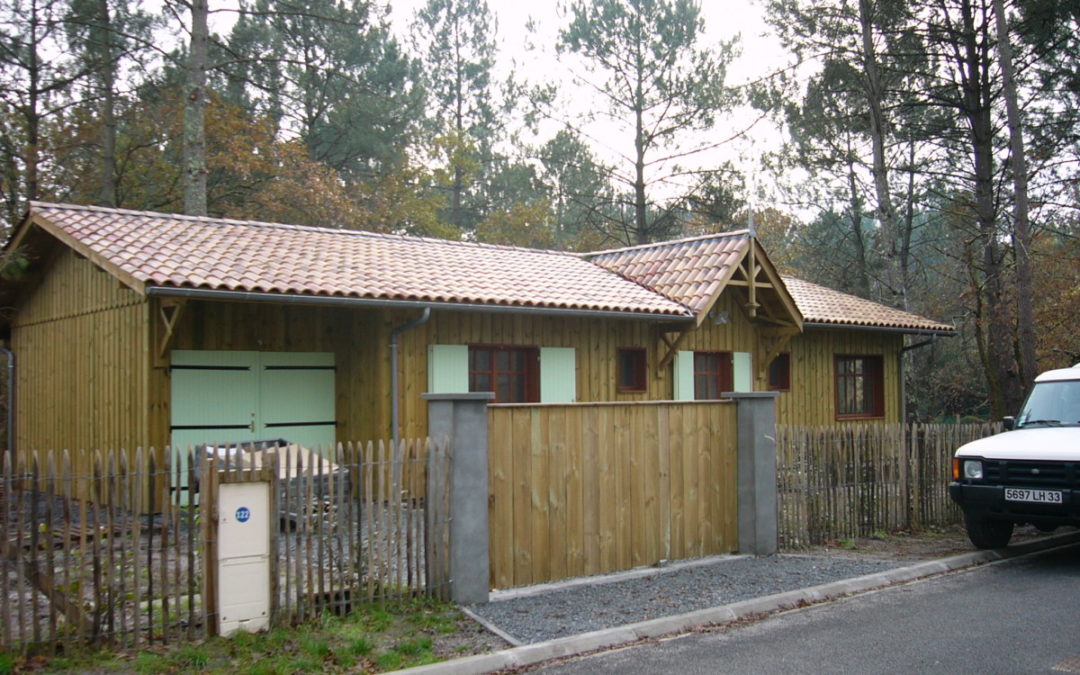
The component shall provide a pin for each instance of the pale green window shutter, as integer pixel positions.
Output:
(558, 375)
(448, 369)
(741, 374)
(684, 376)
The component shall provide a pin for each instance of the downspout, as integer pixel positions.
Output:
(903, 380)
(10, 402)
(395, 431)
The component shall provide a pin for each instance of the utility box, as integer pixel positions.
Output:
(243, 557)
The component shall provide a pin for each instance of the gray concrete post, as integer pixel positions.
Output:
(463, 419)
(758, 530)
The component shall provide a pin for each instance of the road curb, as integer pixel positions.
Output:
(573, 645)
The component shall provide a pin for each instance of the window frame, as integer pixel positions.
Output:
(639, 373)
(725, 374)
(874, 372)
(531, 372)
(785, 384)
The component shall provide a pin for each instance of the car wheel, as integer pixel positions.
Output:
(987, 532)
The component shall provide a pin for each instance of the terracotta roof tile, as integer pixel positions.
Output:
(819, 304)
(674, 278)
(184, 251)
(688, 271)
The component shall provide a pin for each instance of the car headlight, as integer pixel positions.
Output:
(973, 469)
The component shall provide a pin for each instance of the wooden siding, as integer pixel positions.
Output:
(358, 339)
(595, 343)
(592, 488)
(80, 343)
(812, 399)
(88, 352)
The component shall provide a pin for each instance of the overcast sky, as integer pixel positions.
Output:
(759, 54)
(531, 56)
(723, 20)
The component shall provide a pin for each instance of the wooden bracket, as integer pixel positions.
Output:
(672, 349)
(771, 342)
(170, 311)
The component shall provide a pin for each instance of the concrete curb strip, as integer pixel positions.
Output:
(538, 652)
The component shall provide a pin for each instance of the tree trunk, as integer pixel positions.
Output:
(107, 74)
(862, 274)
(195, 114)
(1001, 374)
(641, 221)
(895, 286)
(1021, 234)
(641, 215)
(32, 115)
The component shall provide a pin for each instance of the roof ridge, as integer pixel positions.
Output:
(211, 220)
(671, 242)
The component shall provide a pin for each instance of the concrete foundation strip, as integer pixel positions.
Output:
(531, 654)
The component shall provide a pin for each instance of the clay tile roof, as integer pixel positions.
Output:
(819, 304)
(689, 271)
(173, 250)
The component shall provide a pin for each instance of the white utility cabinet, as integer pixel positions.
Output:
(243, 560)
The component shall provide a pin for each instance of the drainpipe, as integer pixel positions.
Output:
(395, 431)
(11, 402)
(903, 381)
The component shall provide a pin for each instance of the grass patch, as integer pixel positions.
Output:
(374, 638)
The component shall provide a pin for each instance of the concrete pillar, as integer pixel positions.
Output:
(758, 530)
(463, 419)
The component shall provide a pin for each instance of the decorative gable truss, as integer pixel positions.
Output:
(764, 299)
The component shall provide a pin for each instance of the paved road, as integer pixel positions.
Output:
(1018, 616)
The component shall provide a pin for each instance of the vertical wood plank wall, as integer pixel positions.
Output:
(80, 342)
(812, 399)
(582, 489)
(89, 376)
(358, 338)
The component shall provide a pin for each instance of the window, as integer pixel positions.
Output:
(510, 372)
(780, 373)
(631, 371)
(712, 374)
(860, 386)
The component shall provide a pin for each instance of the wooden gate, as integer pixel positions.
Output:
(589, 488)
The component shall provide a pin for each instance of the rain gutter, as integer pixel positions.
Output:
(338, 301)
(882, 329)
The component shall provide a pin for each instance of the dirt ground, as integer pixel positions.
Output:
(914, 546)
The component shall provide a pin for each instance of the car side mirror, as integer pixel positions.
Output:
(1009, 422)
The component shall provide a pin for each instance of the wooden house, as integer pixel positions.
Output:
(148, 329)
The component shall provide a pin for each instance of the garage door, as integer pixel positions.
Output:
(238, 396)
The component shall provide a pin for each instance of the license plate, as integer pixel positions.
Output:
(1037, 496)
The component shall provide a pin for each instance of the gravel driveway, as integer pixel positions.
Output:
(686, 587)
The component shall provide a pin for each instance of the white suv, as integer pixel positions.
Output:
(1030, 474)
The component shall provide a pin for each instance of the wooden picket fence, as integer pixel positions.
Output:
(129, 566)
(853, 481)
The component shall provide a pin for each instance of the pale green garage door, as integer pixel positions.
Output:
(235, 396)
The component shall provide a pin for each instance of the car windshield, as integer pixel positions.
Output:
(1051, 404)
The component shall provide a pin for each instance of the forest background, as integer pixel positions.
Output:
(924, 153)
